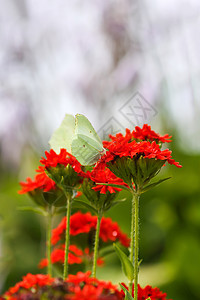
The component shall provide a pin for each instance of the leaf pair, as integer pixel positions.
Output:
(145, 189)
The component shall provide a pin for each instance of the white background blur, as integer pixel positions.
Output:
(89, 57)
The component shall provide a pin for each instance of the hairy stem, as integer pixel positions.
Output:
(134, 244)
(48, 241)
(67, 236)
(96, 245)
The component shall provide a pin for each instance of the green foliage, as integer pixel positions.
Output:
(139, 170)
(65, 177)
(98, 201)
(154, 184)
(169, 231)
(127, 265)
(127, 294)
(33, 209)
(84, 204)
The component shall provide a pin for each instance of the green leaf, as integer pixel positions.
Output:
(33, 209)
(150, 186)
(60, 210)
(148, 298)
(118, 202)
(140, 262)
(86, 205)
(121, 169)
(115, 185)
(106, 250)
(127, 294)
(127, 265)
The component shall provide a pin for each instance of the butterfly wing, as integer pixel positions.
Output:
(86, 154)
(63, 136)
(86, 145)
(85, 130)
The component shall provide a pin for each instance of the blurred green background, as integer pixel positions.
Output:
(121, 64)
(169, 230)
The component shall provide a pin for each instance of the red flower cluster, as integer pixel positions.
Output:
(110, 231)
(143, 134)
(83, 287)
(83, 223)
(127, 146)
(76, 256)
(58, 256)
(79, 223)
(146, 133)
(148, 291)
(41, 181)
(76, 287)
(30, 281)
(63, 158)
(105, 176)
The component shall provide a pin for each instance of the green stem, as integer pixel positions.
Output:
(67, 236)
(96, 245)
(134, 244)
(48, 237)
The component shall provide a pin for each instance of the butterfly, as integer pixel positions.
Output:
(77, 135)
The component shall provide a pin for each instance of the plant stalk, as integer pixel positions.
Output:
(67, 235)
(96, 245)
(134, 244)
(48, 242)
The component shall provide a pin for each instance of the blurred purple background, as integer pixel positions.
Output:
(90, 57)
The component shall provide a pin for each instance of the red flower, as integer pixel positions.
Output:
(63, 158)
(80, 277)
(148, 291)
(126, 146)
(76, 256)
(110, 231)
(41, 181)
(105, 176)
(43, 263)
(30, 281)
(79, 223)
(83, 223)
(58, 256)
(100, 261)
(145, 133)
(84, 287)
(78, 194)
(87, 292)
(79, 286)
